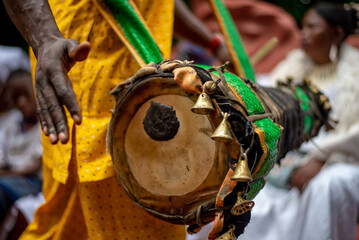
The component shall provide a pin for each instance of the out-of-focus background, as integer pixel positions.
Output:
(271, 23)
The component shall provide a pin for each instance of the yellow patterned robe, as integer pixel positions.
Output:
(84, 199)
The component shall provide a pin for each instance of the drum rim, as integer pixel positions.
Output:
(125, 100)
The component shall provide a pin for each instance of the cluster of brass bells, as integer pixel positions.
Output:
(229, 235)
(204, 106)
(242, 206)
(323, 100)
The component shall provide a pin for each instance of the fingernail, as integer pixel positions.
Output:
(62, 137)
(76, 119)
(44, 129)
(53, 138)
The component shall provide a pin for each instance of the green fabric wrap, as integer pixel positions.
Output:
(271, 130)
(255, 189)
(134, 30)
(305, 105)
(235, 39)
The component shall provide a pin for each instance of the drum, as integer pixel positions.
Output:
(190, 143)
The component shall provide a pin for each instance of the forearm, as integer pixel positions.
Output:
(189, 26)
(345, 144)
(34, 20)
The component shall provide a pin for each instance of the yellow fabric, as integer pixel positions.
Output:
(108, 64)
(84, 198)
(93, 210)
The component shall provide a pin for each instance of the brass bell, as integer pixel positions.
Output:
(313, 89)
(209, 87)
(327, 106)
(323, 99)
(306, 82)
(229, 235)
(242, 172)
(223, 132)
(242, 205)
(203, 105)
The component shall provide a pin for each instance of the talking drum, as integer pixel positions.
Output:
(192, 144)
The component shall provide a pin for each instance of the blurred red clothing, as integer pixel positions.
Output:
(257, 23)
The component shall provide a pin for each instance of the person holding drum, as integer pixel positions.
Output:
(84, 199)
(323, 201)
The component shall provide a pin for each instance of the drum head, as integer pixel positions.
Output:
(162, 151)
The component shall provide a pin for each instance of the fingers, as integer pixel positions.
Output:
(66, 95)
(80, 52)
(50, 111)
(41, 117)
(54, 89)
(77, 53)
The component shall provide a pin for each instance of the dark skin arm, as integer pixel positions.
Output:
(347, 144)
(188, 26)
(302, 175)
(55, 57)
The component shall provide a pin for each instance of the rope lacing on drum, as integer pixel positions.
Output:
(224, 87)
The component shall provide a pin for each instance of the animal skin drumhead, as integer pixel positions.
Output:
(176, 166)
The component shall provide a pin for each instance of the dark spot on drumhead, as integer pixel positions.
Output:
(160, 122)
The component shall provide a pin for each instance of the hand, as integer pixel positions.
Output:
(222, 53)
(54, 88)
(302, 175)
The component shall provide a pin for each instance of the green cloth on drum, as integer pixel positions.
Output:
(305, 105)
(135, 31)
(255, 189)
(235, 40)
(272, 134)
(254, 106)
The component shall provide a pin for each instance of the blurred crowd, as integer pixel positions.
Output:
(313, 194)
(20, 143)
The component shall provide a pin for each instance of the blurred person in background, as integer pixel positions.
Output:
(11, 58)
(20, 213)
(314, 193)
(21, 144)
(20, 177)
(20, 161)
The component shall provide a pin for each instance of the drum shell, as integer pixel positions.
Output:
(176, 208)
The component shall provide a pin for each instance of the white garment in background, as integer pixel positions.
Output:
(328, 207)
(201, 235)
(29, 204)
(327, 210)
(12, 58)
(341, 88)
(20, 150)
(8, 122)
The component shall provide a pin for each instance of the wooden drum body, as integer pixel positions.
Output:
(169, 178)
(192, 144)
